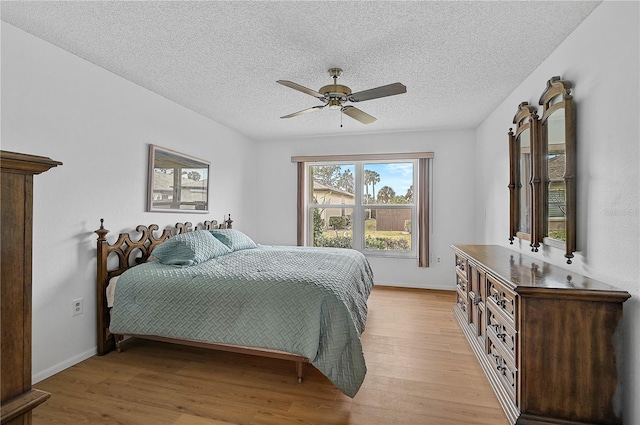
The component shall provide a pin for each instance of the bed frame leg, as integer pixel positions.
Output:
(118, 339)
(299, 370)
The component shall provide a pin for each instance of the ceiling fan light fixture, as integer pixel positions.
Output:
(333, 95)
(334, 104)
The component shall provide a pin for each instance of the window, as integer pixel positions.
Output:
(372, 204)
(331, 200)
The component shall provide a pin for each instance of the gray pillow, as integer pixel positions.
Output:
(234, 239)
(189, 249)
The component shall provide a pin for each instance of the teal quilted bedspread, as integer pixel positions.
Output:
(306, 301)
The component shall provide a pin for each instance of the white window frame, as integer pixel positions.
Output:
(424, 202)
(358, 207)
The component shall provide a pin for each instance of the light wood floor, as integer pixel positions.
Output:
(420, 371)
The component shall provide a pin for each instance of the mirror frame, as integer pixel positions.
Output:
(556, 87)
(158, 156)
(556, 97)
(526, 118)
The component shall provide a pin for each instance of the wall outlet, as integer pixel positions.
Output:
(437, 259)
(76, 307)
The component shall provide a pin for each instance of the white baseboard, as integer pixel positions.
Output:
(37, 377)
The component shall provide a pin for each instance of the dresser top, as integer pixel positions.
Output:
(530, 275)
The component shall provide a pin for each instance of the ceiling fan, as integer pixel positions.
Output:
(334, 95)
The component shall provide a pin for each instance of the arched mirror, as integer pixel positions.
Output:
(558, 145)
(523, 182)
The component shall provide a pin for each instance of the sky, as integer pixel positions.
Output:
(399, 176)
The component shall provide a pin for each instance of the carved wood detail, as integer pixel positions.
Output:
(547, 348)
(544, 226)
(558, 88)
(131, 252)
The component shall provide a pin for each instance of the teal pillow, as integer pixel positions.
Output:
(189, 249)
(234, 239)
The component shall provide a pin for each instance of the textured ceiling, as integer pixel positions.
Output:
(458, 59)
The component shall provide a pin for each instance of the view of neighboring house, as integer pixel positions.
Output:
(387, 220)
(325, 194)
(557, 201)
(186, 193)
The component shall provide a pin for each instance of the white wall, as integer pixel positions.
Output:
(99, 125)
(452, 208)
(601, 59)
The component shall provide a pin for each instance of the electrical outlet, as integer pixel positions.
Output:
(437, 259)
(76, 307)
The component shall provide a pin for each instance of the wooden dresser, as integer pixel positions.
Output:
(546, 337)
(17, 397)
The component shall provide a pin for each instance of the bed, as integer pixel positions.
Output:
(216, 288)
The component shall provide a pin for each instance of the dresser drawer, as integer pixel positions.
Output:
(461, 301)
(502, 299)
(504, 334)
(461, 265)
(461, 281)
(503, 367)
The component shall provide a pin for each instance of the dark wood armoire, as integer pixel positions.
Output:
(18, 398)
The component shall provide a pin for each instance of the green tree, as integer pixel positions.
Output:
(375, 178)
(370, 178)
(347, 181)
(338, 223)
(194, 175)
(409, 195)
(318, 224)
(385, 194)
(326, 174)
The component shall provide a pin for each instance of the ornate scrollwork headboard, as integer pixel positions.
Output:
(129, 253)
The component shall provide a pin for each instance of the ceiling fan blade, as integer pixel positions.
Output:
(303, 89)
(304, 111)
(382, 91)
(358, 115)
